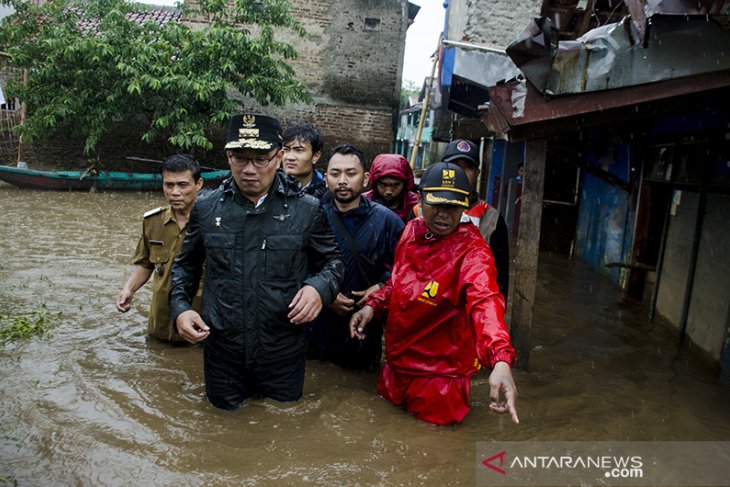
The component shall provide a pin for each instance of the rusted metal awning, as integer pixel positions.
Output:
(518, 110)
(466, 72)
(641, 11)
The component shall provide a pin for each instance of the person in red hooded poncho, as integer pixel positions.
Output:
(391, 180)
(445, 314)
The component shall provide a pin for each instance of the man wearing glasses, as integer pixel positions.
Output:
(271, 264)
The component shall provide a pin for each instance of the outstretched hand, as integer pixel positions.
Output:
(503, 391)
(359, 321)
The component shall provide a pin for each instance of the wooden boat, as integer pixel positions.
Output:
(88, 181)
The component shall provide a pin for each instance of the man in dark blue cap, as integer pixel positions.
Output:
(271, 264)
(465, 154)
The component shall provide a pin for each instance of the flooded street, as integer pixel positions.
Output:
(98, 403)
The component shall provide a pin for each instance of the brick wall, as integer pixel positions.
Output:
(367, 127)
(122, 141)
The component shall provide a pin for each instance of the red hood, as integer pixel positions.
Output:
(393, 165)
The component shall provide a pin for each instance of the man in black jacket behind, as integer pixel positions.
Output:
(271, 264)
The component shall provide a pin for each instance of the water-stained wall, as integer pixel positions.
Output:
(709, 305)
(351, 59)
(493, 23)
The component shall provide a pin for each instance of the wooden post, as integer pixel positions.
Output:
(586, 21)
(528, 247)
(725, 354)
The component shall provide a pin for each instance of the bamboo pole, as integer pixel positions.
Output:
(481, 166)
(424, 108)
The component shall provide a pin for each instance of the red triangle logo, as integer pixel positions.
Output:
(500, 456)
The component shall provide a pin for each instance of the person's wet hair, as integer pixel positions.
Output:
(305, 132)
(347, 149)
(182, 163)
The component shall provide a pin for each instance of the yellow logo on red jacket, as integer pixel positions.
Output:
(429, 293)
(432, 288)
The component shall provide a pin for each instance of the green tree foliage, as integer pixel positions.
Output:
(408, 88)
(89, 65)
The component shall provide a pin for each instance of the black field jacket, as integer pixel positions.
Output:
(256, 259)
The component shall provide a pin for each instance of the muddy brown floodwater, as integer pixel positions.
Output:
(98, 403)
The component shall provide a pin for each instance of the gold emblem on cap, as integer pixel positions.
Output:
(249, 121)
(248, 133)
(432, 199)
(448, 178)
(258, 144)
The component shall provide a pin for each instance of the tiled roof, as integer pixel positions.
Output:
(158, 15)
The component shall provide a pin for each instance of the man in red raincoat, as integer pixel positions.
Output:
(391, 180)
(444, 310)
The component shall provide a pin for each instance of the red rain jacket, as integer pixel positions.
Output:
(445, 312)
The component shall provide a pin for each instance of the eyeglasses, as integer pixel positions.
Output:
(261, 161)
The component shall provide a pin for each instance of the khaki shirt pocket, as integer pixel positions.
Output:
(158, 253)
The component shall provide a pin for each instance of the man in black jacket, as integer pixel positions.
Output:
(271, 264)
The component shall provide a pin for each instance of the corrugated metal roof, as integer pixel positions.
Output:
(642, 10)
(663, 39)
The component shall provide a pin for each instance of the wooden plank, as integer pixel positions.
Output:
(725, 354)
(528, 248)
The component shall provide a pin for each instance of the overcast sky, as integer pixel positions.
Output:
(421, 39)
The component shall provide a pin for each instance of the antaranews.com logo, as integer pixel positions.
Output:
(614, 467)
(700, 464)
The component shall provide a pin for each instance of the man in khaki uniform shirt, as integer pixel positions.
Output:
(163, 232)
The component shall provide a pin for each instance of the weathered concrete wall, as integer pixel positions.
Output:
(677, 254)
(493, 23)
(709, 304)
(352, 60)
